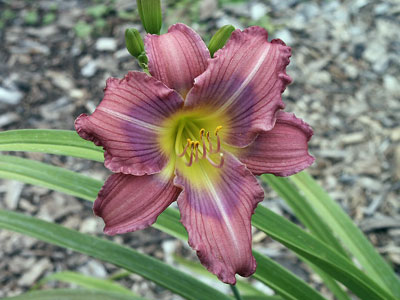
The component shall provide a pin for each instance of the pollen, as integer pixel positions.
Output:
(217, 129)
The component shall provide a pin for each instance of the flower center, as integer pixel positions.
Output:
(201, 149)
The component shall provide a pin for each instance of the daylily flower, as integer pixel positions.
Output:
(198, 131)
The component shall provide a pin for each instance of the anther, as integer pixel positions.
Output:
(186, 147)
(202, 131)
(217, 129)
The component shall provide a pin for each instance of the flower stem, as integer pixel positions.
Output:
(235, 292)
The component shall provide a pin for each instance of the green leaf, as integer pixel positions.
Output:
(352, 237)
(85, 281)
(327, 263)
(282, 281)
(303, 211)
(69, 294)
(306, 214)
(55, 178)
(320, 254)
(244, 287)
(61, 142)
(168, 221)
(129, 259)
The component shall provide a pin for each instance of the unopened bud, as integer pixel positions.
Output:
(220, 38)
(134, 42)
(143, 61)
(150, 14)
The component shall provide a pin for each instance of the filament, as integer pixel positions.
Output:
(204, 151)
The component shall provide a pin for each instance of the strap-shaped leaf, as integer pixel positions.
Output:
(129, 259)
(320, 254)
(351, 235)
(167, 221)
(309, 218)
(61, 142)
(54, 178)
(386, 269)
(69, 294)
(89, 282)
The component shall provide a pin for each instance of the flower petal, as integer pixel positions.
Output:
(217, 215)
(128, 123)
(245, 81)
(177, 57)
(282, 151)
(128, 203)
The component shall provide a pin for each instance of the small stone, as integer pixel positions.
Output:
(89, 69)
(8, 96)
(13, 193)
(34, 273)
(391, 84)
(8, 118)
(285, 36)
(374, 52)
(94, 268)
(352, 138)
(258, 10)
(320, 77)
(89, 225)
(395, 134)
(61, 80)
(106, 44)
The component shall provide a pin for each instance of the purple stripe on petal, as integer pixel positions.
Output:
(128, 123)
(128, 203)
(217, 215)
(177, 57)
(282, 151)
(244, 81)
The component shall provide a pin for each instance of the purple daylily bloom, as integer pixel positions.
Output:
(198, 131)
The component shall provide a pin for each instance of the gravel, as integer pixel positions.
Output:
(346, 70)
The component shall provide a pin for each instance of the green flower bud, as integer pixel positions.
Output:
(143, 59)
(220, 38)
(134, 42)
(150, 14)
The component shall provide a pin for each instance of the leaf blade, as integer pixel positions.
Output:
(70, 294)
(88, 282)
(105, 250)
(61, 142)
(350, 234)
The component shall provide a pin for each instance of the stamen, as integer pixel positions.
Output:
(217, 129)
(191, 154)
(196, 148)
(218, 139)
(209, 142)
(204, 149)
(221, 162)
(185, 149)
(202, 131)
